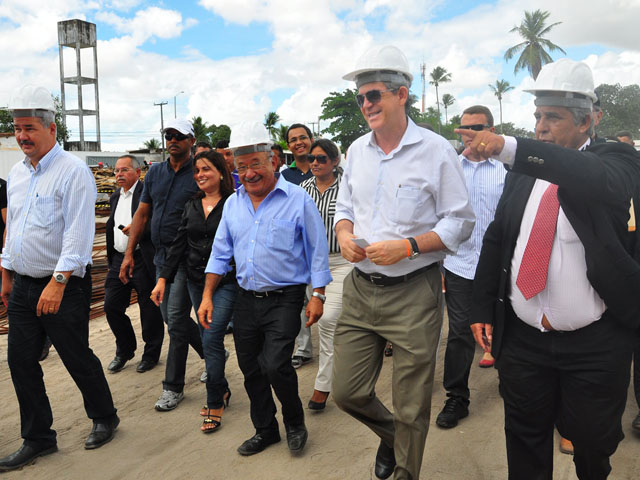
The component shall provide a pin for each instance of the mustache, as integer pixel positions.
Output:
(25, 142)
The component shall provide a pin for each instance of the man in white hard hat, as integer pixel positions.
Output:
(557, 289)
(167, 187)
(46, 282)
(402, 205)
(274, 232)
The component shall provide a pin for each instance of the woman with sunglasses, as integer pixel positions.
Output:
(192, 245)
(323, 187)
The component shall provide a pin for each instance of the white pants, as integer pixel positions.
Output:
(339, 268)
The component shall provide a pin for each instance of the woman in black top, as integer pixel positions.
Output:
(192, 245)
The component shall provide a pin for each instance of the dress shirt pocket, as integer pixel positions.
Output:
(42, 212)
(406, 203)
(281, 234)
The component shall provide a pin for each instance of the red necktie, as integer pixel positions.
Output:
(532, 276)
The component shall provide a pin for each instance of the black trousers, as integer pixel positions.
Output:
(264, 332)
(636, 369)
(69, 333)
(460, 344)
(576, 381)
(117, 296)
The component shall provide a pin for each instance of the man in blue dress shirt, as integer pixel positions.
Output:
(46, 280)
(274, 232)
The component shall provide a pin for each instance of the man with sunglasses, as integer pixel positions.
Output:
(167, 187)
(403, 200)
(485, 181)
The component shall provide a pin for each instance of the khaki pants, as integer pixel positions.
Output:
(409, 316)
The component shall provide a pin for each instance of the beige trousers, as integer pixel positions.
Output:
(408, 315)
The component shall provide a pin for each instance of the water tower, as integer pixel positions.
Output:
(78, 34)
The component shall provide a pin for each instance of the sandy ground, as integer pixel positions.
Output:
(169, 445)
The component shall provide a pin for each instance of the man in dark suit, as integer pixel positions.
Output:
(124, 203)
(557, 289)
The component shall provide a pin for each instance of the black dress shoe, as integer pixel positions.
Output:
(145, 365)
(101, 433)
(117, 364)
(454, 409)
(316, 405)
(385, 461)
(258, 443)
(297, 437)
(25, 455)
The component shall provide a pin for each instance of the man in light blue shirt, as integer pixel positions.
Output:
(274, 232)
(46, 280)
(485, 181)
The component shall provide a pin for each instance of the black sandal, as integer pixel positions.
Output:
(211, 423)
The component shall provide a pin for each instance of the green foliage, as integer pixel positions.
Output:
(153, 145)
(447, 101)
(621, 109)
(499, 89)
(532, 50)
(346, 121)
(218, 133)
(62, 133)
(209, 133)
(270, 120)
(510, 129)
(439, 75)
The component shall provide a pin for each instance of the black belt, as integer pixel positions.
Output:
(381, 280)
(273, 293)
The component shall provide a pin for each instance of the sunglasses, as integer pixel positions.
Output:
(374, 96)
(323, 159)
(178, 136)
(477, 127)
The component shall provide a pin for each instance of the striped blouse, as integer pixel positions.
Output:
(326, 203)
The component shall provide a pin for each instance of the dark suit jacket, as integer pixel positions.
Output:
(595, 188)
(146, 246)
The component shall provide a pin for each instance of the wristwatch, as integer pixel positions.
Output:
(320, 296)
(414, 247)
(60, 278)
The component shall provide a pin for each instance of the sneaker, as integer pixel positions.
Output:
(168, 400)
(454, 410)
(298, 360)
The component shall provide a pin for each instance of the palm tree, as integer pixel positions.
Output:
(499, 89)
(533, 55)
(153, 145)
(447, 101)
(270, 120)
(281, 135)
(200, 129)
(439, 75)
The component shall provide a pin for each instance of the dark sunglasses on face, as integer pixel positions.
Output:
(374, 96)
(178, 136)
(477, 127)
(323, 159)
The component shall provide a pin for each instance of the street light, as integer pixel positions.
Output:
(174, 103)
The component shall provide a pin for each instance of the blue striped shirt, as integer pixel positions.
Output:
(485, 181)
(50, 216)
(282, 243)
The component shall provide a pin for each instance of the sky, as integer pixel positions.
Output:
(235, 61)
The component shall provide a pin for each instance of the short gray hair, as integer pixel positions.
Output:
(135, 163)
(580, 115)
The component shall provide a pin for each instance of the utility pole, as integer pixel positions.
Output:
(313, 130)
(422, 74)
(174, 103)
(161, 104)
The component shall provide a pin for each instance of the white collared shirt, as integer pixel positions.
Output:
(122, 216)
(568, 300)
(416, 188)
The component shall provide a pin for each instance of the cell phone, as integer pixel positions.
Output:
(361, 242)
(121, 227)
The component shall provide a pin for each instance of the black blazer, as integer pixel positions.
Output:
(146, 246)
(595, 188)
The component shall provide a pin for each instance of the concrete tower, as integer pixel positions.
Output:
(78, 34)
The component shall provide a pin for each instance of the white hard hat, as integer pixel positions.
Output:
(31, 98)
(249, 137)
(384, 63)
(180, 124)
(564, 83)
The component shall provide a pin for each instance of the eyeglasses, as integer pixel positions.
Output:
(322, 159)
(253, 166)
(178, 136)
(477, 127)
(374, 96)
(301, 138)
(122, 170)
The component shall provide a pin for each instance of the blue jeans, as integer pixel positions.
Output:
(213, 337)
(183, 331)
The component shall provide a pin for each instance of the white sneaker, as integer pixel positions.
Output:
(203, 377)
(168, 400)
